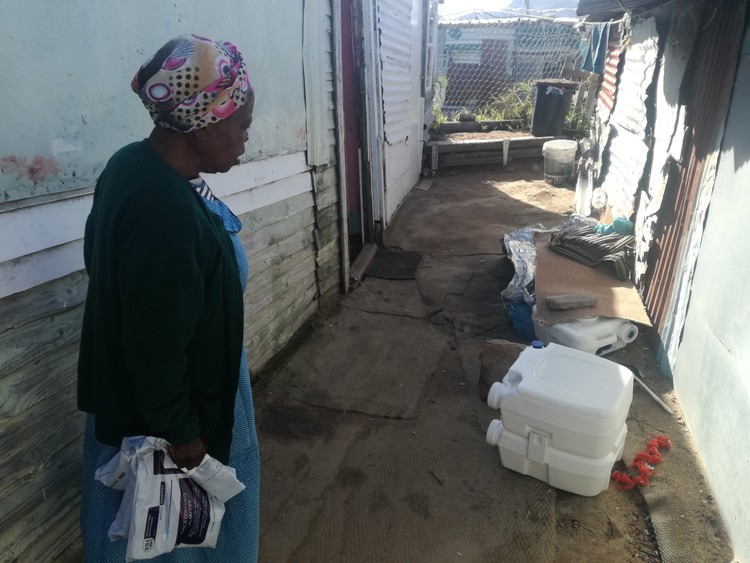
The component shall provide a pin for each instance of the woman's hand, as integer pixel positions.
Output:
(188, 456)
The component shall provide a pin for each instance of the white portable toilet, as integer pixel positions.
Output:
(596, 335)
(563, 417)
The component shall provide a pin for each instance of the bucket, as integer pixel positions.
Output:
(559, 160)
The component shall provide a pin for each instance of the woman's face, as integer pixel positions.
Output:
(224, 142)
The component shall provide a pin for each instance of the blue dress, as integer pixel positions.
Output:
(238, 538)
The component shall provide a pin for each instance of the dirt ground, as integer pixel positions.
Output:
(352, 477)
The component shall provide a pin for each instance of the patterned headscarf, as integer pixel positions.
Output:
(192, 82)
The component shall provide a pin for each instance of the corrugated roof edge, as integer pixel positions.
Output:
(609, 9)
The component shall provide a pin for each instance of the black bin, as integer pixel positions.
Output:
(553, 99)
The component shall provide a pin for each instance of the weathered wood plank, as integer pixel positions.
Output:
(332, 246)
(445, 147)
(473, 149)
(324, 177)
(328, 262)
(260, 280)
(257, 174)
(33, 341)
(274, 349)
(362, 262)
(33, 383)
(477, 126)
(46, 299)
(327, 216)
(326, 196)
(328, 283)
(73, 552)
(275, 232)
(27, 272)
(516, 153)
(471, 159)
(326, 235)
(256, 220)
(330, 298)
(333, 155)
(60, 541)
(267, 319)
(274, 343)
(329, 269)
(263, 318)
(258, 299)
(266, 344)
(29, 500)
(34, 228)
(55, 422)
(264, 258)
(40, 534)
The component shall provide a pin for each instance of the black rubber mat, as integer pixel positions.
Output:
(395, 264)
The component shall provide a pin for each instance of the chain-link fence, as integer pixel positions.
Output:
(490, 68)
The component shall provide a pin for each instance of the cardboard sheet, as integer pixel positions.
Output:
(556, 275)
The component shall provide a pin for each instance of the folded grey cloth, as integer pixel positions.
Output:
(584, 245)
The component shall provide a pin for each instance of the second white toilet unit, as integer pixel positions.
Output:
(563, 417)
(596, 335)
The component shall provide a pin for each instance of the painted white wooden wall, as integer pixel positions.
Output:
(71, 64)
(66, 71)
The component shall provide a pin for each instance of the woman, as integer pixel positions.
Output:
(161, 346)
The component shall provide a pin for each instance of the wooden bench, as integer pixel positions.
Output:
(470, 152)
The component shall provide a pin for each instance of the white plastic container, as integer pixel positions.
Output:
(595, 335)
(559, 160)
(532, 455)
(565, 410)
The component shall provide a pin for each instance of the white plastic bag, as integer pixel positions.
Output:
(164, 507)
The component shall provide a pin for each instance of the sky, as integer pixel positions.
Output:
(454, 8)
(457, 7)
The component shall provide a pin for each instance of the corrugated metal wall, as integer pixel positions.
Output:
(611, 67)
(395, 53)
(400, 25)
(707, 95)
(629, 130)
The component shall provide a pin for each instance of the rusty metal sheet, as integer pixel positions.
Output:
(707, 93)
(669, 129)
(611, 67)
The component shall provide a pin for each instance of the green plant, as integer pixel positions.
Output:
(577, 123)
(517, 102)
(440, 117)
(441, 85)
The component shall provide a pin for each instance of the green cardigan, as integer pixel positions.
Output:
(162, 328)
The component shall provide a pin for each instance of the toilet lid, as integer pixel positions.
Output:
(576, 381)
